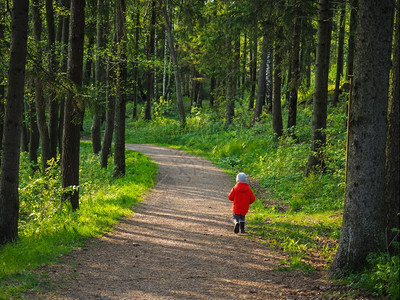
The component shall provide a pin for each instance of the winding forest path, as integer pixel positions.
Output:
(179, 244)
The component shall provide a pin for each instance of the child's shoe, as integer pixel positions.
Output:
(241, 227)
(236, 229)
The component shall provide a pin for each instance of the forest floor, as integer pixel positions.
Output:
(179, 244)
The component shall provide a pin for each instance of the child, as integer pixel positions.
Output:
(242, 196)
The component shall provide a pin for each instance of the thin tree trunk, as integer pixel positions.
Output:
(276, 94)
(120, 95)
(39, 96)
(176, 67)
(352, 33)
(135, 66)
(54, 103)
(150, 56)
(294, 76)
(393, 147)
(253, 70)
(73, 109)
(9, 198)
(320, 100)
(261, 85)
(365, 213)
(339, 64)
(230, 83)
(102, 16)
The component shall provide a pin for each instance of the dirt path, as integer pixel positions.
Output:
(179, 244)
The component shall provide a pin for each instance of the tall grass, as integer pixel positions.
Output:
(48, 228)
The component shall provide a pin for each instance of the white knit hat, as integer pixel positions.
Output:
(241, 177)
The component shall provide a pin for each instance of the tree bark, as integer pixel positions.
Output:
(175, 61)
(230, 83)
(120, 95)
(253, 72)
(276, 93)
(54, 103)
(150, 56)
(295, 75)
(351, 41)
(2, 76)
(392, 147)
(73, 106)
(365, 213)
(261, 85)
(9, 198)
(339, 62)
(320, 100)
(39, 96)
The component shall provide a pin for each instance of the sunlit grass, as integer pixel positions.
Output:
(49, 228)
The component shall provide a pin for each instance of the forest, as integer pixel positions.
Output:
(303, 96)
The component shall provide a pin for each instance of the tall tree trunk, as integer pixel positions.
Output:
(295, 75)
(352, 33)
(253, 71)
(320, 100)
(392, 146)
(30, 135)
(9, 198)
(261, 85)
(230, 83)
(135, 66)
(120, 95)
(39, 96)
(100, 74)
(66, 4)
(339, 63)
(150, 56)
(2, 75)
(73, 109)
(175, 61)
(276, 93)
(365, 215)
(54, 103)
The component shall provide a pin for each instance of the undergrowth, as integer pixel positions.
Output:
(49, 228)
(298, 214)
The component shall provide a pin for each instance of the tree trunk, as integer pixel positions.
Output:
(261, 85)
(352, 32)
(2, 76)
(339, 64)
(276, 93)
(135, 66)
(230, 83)
(320, 101)
(365, 215)
(39, 96)
(150, 56)
(293, 84)
(120, 95)
(392, 147)
(73, 106)
(253, 72)
(100, 75)
(64, 61)
(9, 198)
(176, 67)
(54, 103)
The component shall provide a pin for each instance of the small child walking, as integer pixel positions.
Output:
(242, 196)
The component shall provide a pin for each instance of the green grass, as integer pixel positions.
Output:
(300, 215)
(48, 228)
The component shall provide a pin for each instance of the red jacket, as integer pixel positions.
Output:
(242, 196)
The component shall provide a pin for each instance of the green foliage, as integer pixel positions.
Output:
(48, 227)
(381, 277)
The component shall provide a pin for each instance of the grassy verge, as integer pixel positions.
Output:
(294, 213)
(49, 228)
